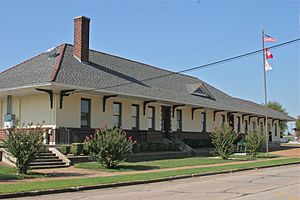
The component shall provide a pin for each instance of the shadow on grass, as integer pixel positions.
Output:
(30, 175)
(134, 168)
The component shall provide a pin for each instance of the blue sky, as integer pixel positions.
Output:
(170, 34)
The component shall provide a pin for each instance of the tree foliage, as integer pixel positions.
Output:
(279, 107)
(254, 141)
(223, 139)
(24, 145)
(298, 128)
(110, 147)
(298, 123)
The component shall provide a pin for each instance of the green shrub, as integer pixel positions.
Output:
(143, 147)
(223, 139)
(65, 149)
(168, 147)
(159, 146)
(110, 147)
(254, 141)
(172, 147)
(24, 145)
(136, 148)
(85, 148)
(152, 147)
(2, 145)
(76, 148)
(164, 147)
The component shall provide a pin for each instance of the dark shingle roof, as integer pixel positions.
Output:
(105, 71)
(38, 69)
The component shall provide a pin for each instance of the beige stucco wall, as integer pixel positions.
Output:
(36, 108)
(28, 109)
(218, 119)
(69, 115)
(32, 109)
(187, 123)
(210, 120)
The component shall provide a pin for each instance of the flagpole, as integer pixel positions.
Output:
(265, 92)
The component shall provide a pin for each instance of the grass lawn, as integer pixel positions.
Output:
(10, 173)
(156, 164)
(54, 184)
(170, 163)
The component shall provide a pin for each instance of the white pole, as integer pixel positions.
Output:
(265, 92)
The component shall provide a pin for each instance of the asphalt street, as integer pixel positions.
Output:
(280, 183)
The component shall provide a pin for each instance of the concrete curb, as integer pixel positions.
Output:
(110, 185)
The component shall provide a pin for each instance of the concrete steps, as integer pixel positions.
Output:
(47, 160)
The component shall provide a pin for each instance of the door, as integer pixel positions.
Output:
(230, 119)
(166, 120)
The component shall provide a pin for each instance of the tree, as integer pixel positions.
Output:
(297, 131)
(109, 147)
(254, 141)
(279, 107)
(24, 145)
(223, 139)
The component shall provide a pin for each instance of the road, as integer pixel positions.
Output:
(280, 183)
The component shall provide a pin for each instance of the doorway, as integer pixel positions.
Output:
(166, 120)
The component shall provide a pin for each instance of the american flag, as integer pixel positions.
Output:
(268, 38)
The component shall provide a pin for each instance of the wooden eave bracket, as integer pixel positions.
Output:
(174, 107)
(50, 93)
(145, 106)
(105, 98)
(244, 115)
(215, 112)
(62, 94)
(194, 109)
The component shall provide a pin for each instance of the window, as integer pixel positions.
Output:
(203, 122)
(117, 114)
(261, 127)
(238, 124)
(275, 129)
(151, 117)
(202, 91)
(246, 126)
(253, 126)
(223, 119)
(135, 117)
(85, 113)
(179, 120)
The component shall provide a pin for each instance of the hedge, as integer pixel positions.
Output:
(77, 149)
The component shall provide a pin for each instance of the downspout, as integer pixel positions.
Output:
(8, 107)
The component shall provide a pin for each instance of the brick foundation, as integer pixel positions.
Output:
(2, 134)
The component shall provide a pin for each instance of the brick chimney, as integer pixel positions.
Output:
(81, 38)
